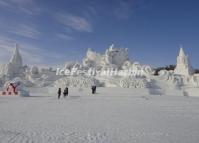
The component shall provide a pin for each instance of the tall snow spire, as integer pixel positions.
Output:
(182, 53)
(16, 59)
(183, 66)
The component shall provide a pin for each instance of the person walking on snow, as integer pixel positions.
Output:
(65, 92)
(59, 93)
(93, 89)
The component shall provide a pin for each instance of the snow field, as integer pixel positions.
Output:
(111, 116)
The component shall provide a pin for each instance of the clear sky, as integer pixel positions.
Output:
(54, 31)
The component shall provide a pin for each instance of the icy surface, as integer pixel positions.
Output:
(110, 116)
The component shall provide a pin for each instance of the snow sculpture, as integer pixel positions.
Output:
(40, 77)
(69, 65)
(2, 81)
(15, 87)
(15, 67)
(16, 59)
(178, 80)
(126, 65)
(34, 70)
(47, 78)
(75, 81)
(183, 66)
(115, 57)
(132, 82)
(170, 78)
(195, 80)
(92, 59)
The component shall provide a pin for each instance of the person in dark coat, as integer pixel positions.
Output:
(93, 89)
(65, 92)
(59, 93)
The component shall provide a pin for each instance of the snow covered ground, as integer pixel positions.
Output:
(111, 116)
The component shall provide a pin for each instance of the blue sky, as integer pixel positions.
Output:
(54, 31)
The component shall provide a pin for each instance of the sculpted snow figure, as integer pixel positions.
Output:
(183, 66)
(116, 57)
(16, 59)
(16, 87)
(15, 67)
(92, 59)
(34, 71)
(113, 58)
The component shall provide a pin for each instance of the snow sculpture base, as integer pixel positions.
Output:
(6, 93)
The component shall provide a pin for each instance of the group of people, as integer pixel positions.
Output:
(65, 93)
